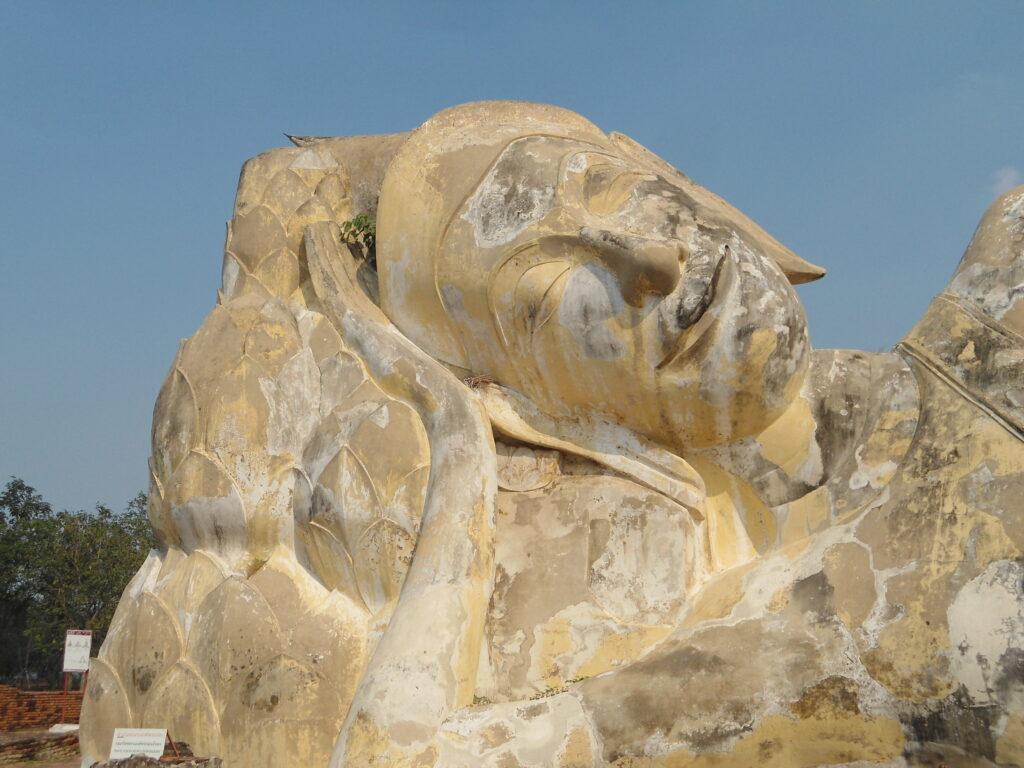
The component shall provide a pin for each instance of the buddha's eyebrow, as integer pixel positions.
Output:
(607, 174)
(609, 170)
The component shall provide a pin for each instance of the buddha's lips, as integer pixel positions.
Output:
(699, 283)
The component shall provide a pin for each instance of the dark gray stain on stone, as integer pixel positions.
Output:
(1010, 676)
(143, 677)
(954, 722)
(814, 595)
(699, 698)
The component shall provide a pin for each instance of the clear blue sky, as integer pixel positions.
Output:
(869, 137)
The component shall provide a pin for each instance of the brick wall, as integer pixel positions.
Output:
(49, 748)
(37, 709)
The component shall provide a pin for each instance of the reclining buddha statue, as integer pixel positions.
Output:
(560, 481)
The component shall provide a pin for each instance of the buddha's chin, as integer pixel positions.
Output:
(722, 397)
(690, 425)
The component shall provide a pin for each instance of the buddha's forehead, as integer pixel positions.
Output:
(541, 156)
(518, 190)
(548, 161)
(532, 176)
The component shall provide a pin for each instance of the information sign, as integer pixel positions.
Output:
(138, 741)
(77, 646)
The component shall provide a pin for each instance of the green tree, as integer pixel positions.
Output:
(68, 571)
(21, 510)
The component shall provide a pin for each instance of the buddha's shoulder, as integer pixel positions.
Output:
(971, 338)
(991, 274)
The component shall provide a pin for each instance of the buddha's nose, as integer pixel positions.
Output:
(642, 266)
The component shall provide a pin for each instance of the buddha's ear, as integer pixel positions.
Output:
(439, 614)
(721, 213)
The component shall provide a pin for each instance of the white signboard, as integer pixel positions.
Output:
(77, 646)
(138, 741)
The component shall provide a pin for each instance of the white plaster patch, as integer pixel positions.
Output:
(641, 565)
(994, 288)
(500, 211)
(874, 475)
(294, 404)
(146, 577)
(542, 729)
(381, 417)
(986, 621)
(1014, 207)
(313, 160)
(577, 164)
(229, 274)
(506, 203)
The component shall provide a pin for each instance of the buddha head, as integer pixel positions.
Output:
(518, 240)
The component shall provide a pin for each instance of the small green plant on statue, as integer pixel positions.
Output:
(361, 231)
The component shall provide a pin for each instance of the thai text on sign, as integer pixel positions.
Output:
(138, 741)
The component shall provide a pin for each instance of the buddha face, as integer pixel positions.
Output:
(596, 286)
(599, 283)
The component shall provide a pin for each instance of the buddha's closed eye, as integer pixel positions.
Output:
(607, 188)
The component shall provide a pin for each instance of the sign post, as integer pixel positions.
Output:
(77, 648)
(138, 741)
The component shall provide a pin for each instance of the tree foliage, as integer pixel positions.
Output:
(361, 231)
(59, 571)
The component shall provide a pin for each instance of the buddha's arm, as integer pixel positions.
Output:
(424, 666)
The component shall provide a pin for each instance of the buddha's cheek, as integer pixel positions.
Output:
(589, 354)
(574, 382)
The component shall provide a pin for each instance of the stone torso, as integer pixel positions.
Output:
(625, 559)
